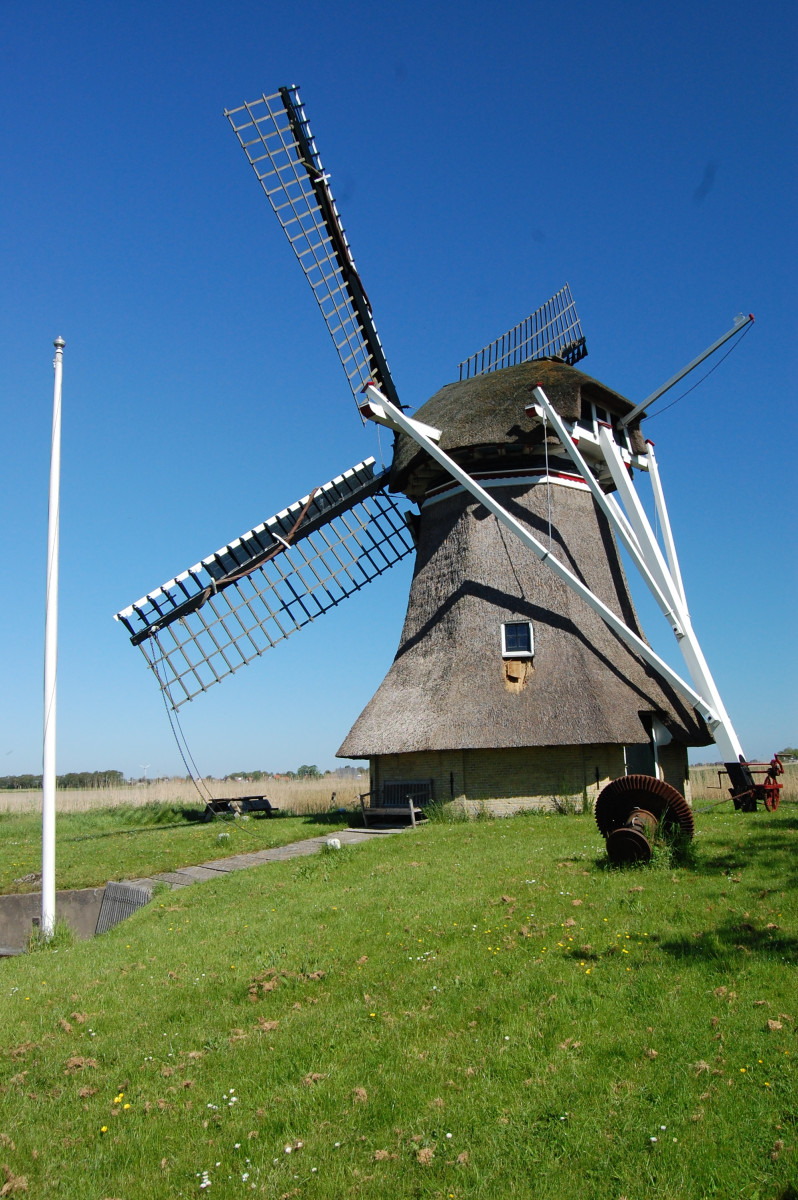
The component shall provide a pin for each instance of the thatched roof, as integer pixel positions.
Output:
(447, 687)
(488, 411)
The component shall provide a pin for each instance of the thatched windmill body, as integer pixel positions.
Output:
(507, 687)
(522, 673)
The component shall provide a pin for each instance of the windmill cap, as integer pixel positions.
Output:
(489, 410)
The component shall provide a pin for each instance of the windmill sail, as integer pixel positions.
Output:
(552, 329)
(275, 136)
(262, 587)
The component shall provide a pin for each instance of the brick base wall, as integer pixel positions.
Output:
(506, 781)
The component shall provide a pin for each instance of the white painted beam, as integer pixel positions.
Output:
(378, 408)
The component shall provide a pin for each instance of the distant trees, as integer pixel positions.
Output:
(90, 779)
(72, 780)
(788, 754)
(10, 783)
(253, 776)
(308, 772)
(107, 779)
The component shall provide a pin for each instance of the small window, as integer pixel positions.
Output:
(517, 639)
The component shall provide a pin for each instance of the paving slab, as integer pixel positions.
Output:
(86, 903)
(185, 876)
(218, 867)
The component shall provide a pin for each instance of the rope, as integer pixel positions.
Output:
(500, 528)
(169, 705)
(284, 543)
(733, 346)
(171, 713)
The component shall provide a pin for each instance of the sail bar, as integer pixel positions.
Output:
(552, 329)
(259, 589)
(276, 138)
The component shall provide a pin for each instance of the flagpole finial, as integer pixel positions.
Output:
(59, 343)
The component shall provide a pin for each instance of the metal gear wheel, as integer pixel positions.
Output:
(621, 796)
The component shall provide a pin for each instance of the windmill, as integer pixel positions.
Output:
(522, 672)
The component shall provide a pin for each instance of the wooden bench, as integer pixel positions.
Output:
(238, 805)
(390, 811)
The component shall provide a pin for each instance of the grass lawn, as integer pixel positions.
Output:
(472, 1010)
(131, 843)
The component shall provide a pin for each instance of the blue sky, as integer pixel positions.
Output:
(480, 158)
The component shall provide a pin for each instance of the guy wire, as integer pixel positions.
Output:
(166, 695)
(733, 346)
(173, 718)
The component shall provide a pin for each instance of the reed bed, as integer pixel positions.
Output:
(293, 795)
(290, 795)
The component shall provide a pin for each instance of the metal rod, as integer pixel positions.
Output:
(739, 323)
(379, 409)
(51, 658)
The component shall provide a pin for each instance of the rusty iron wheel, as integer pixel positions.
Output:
(618, 800)
(628, 844)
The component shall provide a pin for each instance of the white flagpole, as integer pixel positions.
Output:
(51, 659)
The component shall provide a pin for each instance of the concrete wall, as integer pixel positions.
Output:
(79, 909)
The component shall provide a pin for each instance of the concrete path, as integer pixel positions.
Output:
(81, 909)
(220, 867)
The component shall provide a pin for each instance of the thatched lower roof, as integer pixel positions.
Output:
(448, 685)
(488, 411)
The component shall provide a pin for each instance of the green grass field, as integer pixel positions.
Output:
(131, 843)
(476, 1009)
